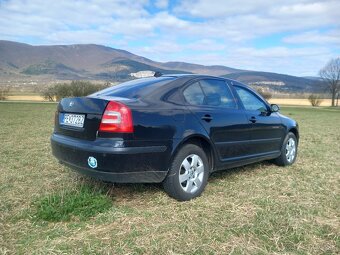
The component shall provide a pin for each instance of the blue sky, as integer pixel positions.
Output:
(284, 36)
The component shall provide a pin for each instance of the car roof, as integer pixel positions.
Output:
(191, 75)
(196, 76)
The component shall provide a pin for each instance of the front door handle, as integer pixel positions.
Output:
(207, 118)
(253, 119)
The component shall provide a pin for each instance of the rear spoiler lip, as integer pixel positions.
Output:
(113, 98)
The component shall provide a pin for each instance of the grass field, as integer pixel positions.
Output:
(260, 209)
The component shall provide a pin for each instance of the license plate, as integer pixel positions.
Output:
(73, 120)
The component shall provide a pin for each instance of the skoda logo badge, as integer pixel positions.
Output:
(92, 161)
(71, 104)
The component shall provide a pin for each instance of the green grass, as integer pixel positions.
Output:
(258, 209)
(83, 202)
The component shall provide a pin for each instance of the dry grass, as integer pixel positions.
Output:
(25, 98)
(258, 209)
(298, 101)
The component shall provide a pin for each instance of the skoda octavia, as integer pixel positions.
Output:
(175, 129)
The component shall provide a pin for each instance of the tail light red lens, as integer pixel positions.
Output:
(117, 118)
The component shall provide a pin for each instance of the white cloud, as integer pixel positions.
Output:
(202, 31)
(250, 19)
(163, 48)
(315, 37)
(233, 8)
(69, 37)
(205, 45)
(228, 20)
(219, 8)
(161, 4)
(300, 62)
(165, 20)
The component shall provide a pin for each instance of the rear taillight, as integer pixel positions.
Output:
(117, 118)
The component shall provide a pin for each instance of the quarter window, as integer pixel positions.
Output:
(250, 101)
(194, 94)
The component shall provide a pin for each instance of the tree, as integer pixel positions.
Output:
(73, 89)
(49, 94)
(4, 93)
(315, 100)
(330, 75)
(266, 94)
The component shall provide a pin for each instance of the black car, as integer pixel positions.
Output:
(175, 129)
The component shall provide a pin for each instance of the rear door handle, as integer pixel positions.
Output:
(253, 119)
(207, 118)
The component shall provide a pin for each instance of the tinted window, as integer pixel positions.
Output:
(217, 93)
(250, 101)
(194, 94)
(135, 88)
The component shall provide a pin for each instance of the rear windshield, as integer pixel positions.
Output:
(135, 88)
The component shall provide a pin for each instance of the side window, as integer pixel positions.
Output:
(250, 101)
(194, 94)
(217, 93)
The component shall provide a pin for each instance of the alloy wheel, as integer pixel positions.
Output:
(191, 173)
(290, 150)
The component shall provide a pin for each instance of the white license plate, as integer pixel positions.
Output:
(73, 120)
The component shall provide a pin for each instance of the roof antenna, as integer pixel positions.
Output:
(157, 74)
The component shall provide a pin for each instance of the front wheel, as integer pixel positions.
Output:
(288, 151)
(188, 173)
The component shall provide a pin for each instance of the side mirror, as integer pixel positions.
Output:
(274, 108)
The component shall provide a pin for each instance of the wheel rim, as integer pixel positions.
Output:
(290, 150)
(191, 173)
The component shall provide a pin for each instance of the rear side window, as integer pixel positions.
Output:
(217, 93)
(210, 92)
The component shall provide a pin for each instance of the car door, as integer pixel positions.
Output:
(267, 130)
(215, 107)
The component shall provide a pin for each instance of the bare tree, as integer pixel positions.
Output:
(330, 74)
(315, 100)
(49, 94)
(4, 93)
(265, 93)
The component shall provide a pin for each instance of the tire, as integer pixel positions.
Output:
(288, 151)
(188, 173)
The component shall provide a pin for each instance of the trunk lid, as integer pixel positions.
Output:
(80, 117)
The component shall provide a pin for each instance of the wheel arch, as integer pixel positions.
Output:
(200, 141)
(295, 131)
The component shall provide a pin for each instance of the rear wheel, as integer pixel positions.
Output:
(188, 173)
(288, 151)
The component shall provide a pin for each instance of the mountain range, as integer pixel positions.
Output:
(97, 62)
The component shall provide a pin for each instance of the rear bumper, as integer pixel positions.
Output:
(114, 162)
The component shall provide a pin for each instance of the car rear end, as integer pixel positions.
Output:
(106, 137)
